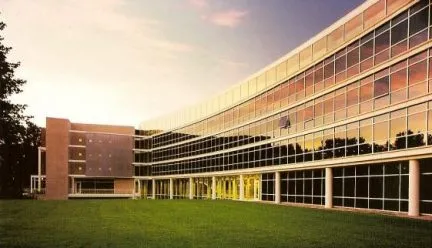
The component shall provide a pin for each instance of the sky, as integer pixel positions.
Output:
(121, 62)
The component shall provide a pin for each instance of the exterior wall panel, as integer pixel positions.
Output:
(57, 156)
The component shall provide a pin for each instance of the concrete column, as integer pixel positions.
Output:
(73, 185)
(31, 184)
(39, 169)
(241, 197)
(139, 188)
(213, 196)
(191, 188)
(328, 187)
(171, 188)
(277, 187)
(153, 189)
(414, 188)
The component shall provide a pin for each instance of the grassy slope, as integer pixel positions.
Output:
(183, 223)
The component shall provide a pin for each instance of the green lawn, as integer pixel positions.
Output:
(184, 223)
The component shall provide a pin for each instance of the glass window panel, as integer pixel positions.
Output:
(339, 102)
(418, 21)
(376, 187)
(308, 113)
(381, 131)
(365, 134)
(352, 135)
(349, 187)
(353, 57)
(381, 86)
(399, 32)
(391, 187)
(340, 64)
(417, 122)
(328, 106)
(430, 120)
(382, 42)
(352, 97)
(425, 189)
(417, 72)
(366, 50)
(362, 187)
(366, 92)
(329, 70)
(300, 84)
(398, 127)
(376, 169)
(398, 80)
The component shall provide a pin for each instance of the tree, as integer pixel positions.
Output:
(19, 137)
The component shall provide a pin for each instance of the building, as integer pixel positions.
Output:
(344, 120)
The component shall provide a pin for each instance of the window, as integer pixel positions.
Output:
(382, 42)
(398, 80)
(418, 21)
(366, 50)
(381, 86)
(399, 32)
(417, 72)
(366, 92)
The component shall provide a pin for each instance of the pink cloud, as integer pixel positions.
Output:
(230, 18)
(198, 3)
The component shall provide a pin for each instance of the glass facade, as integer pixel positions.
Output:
(361, 91)
(377, 186)
(303, 187)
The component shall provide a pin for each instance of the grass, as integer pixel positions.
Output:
(184, 223)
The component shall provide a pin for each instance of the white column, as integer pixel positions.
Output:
(139, 188)
(328, 187)
(171, 188)
(153, 189)
(260, 188)
(241, 197)
(31, 184)
(191, 188)
(39, 168)
(414, 188)
(73, 185)
(277, 187)
(213, 188)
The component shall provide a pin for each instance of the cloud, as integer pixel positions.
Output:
(198, 3)
(229, 18)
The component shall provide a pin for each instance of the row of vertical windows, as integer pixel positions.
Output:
(391, 39)
(426, 186)
(405, 80)
(268, 187)
(303, 187)
(382, 186)
(374, 187)
(401, 129)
